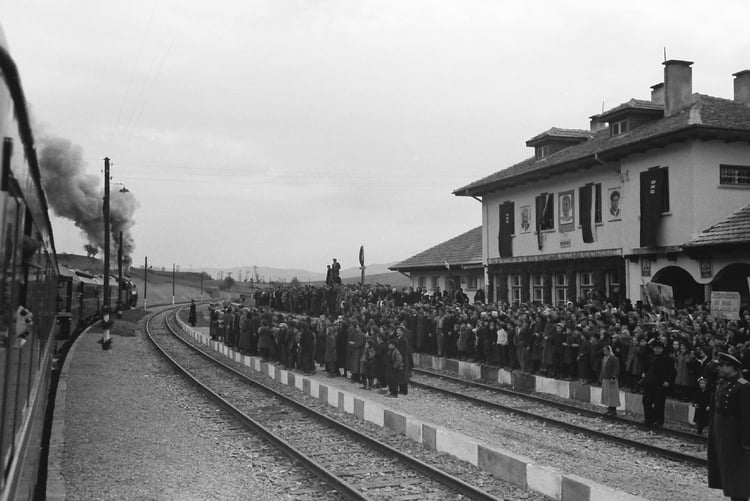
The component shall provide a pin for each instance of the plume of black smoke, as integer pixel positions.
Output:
(78, 196)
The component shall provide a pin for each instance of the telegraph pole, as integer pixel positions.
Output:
(173, 268)
(201, 286)
(105, 302)
(145, 281)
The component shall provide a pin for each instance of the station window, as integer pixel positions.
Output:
(585, 284)
(560, 291)
(734, 175)
(435, 283)
(515, 288)
(620, 127)
(471, 282)
(537, 288)
(613, 286)
(422, 282)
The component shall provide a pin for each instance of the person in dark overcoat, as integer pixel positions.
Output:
(342, 341)
(246, 337)
(729, 432)
(404, 347)
(265, 338)
(192, 316)
(702, 404)
(356, 343)
(394, 366)
(658, 377)
(330, 351)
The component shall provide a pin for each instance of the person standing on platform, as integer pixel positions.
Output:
(729, 432)
(192, 317)
(610, 386)
(657, 379)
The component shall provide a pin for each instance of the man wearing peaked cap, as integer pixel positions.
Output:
(729, 432)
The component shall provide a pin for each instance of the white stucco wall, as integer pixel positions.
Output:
(609, 234)
(696, 199)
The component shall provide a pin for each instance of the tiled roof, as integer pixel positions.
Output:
(463, 249)
(633, 104)
(556, 132)
(733, 230)
(706, 114)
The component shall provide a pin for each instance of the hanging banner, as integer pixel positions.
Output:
(725, 305)
(660, 297)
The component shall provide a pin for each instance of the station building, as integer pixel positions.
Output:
(451, 264)
(655, 191)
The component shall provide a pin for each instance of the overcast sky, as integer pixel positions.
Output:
(284, 133)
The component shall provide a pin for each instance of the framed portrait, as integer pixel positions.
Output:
(525, 219)
(567, 210)
(613, 204)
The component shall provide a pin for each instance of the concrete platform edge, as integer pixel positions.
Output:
(55, 490)
(540, 478)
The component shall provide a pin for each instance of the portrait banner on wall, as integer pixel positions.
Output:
(615, 194)
(525, 218)
(567, 214)
(660, 297)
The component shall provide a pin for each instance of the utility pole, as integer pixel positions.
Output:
(173, 269)
(106, 234)
(145, 281)
(201, 286)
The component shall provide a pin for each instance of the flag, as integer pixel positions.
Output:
(447, 266)
(545, 215)
(507, 228)
(587, 211)
(652, 200)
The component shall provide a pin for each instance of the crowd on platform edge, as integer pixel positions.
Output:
(347, 329)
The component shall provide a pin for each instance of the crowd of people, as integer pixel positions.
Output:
(349, 330)
(369, 334)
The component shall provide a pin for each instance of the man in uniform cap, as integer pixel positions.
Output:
(729, 432)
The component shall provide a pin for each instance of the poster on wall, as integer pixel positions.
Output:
(725, 305)
(525, 218)
(614, 203)
(566, 211)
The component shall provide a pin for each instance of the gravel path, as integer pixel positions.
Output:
(135, 430)
(621, 468)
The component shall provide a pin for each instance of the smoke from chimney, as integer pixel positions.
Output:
(78, 196)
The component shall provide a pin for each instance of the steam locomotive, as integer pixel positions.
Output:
(36, 296)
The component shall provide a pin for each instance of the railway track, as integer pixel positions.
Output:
(671, 444)
(354, 465)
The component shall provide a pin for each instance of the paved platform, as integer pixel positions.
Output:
(126, 426)
(503, 464)
(680, 412)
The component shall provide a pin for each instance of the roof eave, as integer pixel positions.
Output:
(692, 130)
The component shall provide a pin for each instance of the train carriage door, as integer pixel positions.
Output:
(11, 225)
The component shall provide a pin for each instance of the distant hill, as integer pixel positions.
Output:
(374, 273)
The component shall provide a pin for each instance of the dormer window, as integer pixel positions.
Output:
(542, 151)
(619, 127)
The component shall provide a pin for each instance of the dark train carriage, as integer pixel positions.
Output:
(28, 292)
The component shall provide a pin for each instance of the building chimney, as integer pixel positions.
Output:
(678, 85)
(742, 86)
(657, 93)
(596, 123)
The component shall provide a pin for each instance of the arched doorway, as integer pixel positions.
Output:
(733, 278)
(685, 289)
